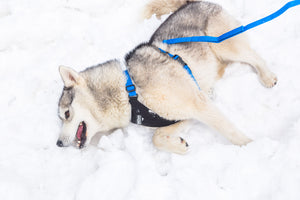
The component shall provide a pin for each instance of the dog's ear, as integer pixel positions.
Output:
(69, 76)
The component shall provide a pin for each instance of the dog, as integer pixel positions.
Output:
(95, 100)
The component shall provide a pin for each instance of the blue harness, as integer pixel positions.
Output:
(142, 115)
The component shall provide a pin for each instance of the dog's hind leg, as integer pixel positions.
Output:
(209, 114)
(241, 52)
(237, 49)
(167, 139)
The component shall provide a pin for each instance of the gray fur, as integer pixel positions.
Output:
(106, 95)
(189, 20)
(67, 97)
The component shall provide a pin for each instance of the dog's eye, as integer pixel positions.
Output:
(67, 114)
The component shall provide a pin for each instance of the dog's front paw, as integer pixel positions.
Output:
(169, 143)
(180, 146)
(269, 80)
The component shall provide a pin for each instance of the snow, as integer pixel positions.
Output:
(38, 36)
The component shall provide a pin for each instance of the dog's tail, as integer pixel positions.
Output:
(162, 7)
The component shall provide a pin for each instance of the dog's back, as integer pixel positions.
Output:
(189, 20)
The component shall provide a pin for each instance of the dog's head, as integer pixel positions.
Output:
(74, 110)
(89, 105)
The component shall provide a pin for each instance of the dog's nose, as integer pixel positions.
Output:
(59, 143)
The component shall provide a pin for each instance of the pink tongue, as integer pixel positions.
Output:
(79, 132)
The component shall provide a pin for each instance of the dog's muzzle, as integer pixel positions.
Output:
(81, 136)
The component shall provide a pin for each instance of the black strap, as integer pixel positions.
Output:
(142, 115)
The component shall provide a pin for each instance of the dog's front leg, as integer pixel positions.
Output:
(167, 139)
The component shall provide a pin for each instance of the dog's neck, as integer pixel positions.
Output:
(106, 83)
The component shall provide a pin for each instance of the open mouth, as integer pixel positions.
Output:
(81, 135)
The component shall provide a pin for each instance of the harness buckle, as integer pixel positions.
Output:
(130, 88)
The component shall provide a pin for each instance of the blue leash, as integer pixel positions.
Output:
(236, 31)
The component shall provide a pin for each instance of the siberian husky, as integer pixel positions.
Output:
(96, 100)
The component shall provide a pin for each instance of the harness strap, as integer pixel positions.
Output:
(185, 66)
(236, 31)
(130, 87)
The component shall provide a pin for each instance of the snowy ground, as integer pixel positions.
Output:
(38, 36)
